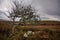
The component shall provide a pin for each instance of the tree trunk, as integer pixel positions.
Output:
(13, 26)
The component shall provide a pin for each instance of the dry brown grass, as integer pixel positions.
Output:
(53, 25)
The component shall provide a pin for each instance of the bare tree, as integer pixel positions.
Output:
(28, 14)
(14, 14)
(25, 13)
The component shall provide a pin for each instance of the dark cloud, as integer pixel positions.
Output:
(50, 7)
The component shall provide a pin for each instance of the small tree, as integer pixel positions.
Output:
(25, 13)
(28, 14)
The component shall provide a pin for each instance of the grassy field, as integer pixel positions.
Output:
(40, 25)
(43, 30)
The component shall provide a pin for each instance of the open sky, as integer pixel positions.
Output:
(47, 9)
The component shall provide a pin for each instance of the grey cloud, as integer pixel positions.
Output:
(3, 15)
(50, 6)
(48, 9)
(1, 1)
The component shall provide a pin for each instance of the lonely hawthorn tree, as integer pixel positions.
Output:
(25, 13)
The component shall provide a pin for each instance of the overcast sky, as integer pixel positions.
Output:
(48, 9)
